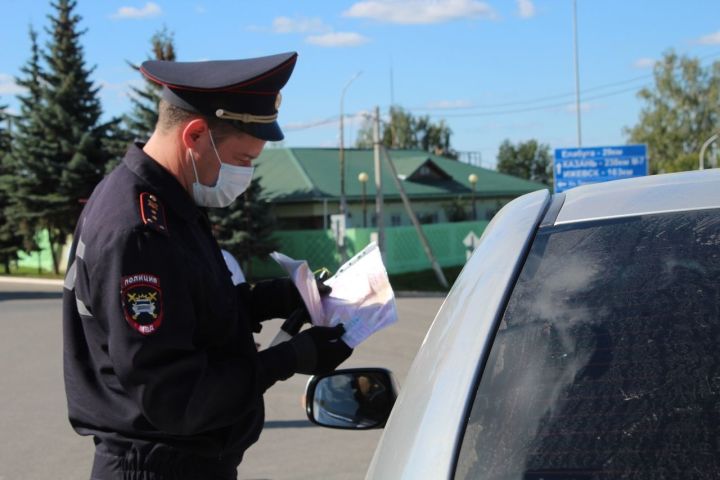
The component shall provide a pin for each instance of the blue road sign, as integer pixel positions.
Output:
(578, 166)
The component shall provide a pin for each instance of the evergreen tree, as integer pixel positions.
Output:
(245, 228)
(26, 180)
(74, 149)
(10, 241)
(141, 121)
(115, 143)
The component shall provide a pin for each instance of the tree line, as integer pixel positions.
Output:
(57, 147)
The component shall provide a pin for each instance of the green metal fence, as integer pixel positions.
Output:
(40, 259)
(403, 250)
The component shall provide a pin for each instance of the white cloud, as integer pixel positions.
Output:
(526, 8)
(337, 39)
(8, 85)
(643, 63)
(299, 25)
(200, 9)
(420, 11)
(149, 10)
(324, 36)
(712, 39)
(449, 104)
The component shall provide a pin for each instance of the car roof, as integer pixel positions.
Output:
(672, 192)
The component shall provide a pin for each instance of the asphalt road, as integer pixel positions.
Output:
(36, 441)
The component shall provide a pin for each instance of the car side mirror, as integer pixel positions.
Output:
(352, 399)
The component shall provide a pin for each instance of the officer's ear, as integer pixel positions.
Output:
(194, 131)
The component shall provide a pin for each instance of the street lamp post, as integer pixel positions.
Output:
(473, 179)
(343, 202)
(363, 178)
(577, 74)
(704, 147)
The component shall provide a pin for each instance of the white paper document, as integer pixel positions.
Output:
(361, 298)
(304, 281)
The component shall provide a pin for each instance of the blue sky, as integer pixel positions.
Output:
(494, 70)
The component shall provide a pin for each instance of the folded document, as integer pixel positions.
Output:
(361, 298)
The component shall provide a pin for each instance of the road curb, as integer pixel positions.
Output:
(59, 283)
(31, 281)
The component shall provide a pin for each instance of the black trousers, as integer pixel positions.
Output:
(163, 465)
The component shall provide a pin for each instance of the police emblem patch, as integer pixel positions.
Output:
(142, 302)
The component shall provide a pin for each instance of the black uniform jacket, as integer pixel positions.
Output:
(158, 348)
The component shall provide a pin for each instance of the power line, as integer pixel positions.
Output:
(532, 109)
(555, 96)
(308, 125)
(534, 100)
(501, 106)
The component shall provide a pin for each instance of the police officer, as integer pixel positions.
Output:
(159, 359)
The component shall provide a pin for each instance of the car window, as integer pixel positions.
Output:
(606, 363)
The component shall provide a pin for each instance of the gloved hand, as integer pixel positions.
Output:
(319, 350)
(287, 292)
(295, 321)
(323, 289)
(277, 298)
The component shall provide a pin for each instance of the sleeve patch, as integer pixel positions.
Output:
(142, 302)
(152, 212)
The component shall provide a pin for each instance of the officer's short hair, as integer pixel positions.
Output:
(171, 116)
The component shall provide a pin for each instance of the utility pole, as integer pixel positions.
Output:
(378, 183)
(392, 84)
(577, 75)
(421, 235)
(343, 201)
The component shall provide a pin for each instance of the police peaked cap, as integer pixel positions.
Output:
(244, 92)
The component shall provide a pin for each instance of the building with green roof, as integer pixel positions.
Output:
(303, 185)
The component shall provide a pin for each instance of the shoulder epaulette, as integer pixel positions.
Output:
(153, 213)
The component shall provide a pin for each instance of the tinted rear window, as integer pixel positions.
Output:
(606, 363)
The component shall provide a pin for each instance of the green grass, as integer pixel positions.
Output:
(30, 272)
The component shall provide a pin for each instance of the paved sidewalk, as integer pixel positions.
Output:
(31, 280)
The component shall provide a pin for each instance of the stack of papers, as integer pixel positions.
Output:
(361, 298)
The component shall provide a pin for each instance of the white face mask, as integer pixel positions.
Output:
(231, 183)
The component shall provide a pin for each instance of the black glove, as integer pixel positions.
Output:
(295, 321)
(323, 289)
(287, 293)
(320, 350)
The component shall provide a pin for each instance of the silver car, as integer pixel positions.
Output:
(581, 341)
